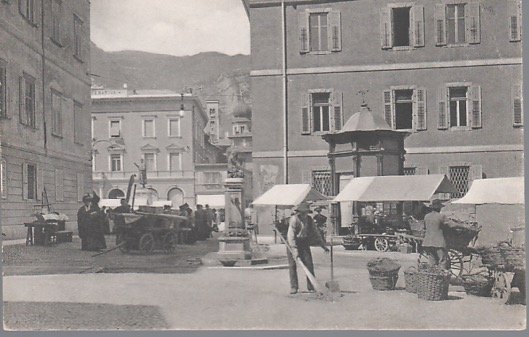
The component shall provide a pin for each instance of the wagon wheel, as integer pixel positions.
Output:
(501, 290)
(147, 243)
(124, 248)
(169, 242)
(455, 261)
(381, 244)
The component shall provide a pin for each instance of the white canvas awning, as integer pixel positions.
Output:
(289, 195)
(395, 188)
(213, 200)
(495, 191)
(110, 203)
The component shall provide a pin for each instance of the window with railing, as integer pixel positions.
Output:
(321, 181)
(459, 176)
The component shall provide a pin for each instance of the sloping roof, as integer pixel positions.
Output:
(495, 191)
(288, 195)
(395, 188)
(365, 120)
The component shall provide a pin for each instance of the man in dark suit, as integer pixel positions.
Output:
(83, 221)
(301, 234)
(434, 241)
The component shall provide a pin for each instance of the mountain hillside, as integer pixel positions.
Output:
(211, 75)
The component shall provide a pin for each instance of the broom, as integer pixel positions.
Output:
(317, 286)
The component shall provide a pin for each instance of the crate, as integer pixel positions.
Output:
(64, 236)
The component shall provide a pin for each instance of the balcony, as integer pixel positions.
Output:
(119, 175)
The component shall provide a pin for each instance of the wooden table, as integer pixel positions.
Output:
(41, 233)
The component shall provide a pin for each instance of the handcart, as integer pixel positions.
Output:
(462, 256)
(146, 232)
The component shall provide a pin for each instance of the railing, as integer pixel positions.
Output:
(150, 174)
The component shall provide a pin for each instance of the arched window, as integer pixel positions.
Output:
(116, 194)
(176, 196)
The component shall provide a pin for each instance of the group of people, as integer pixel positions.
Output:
(91, 222)
(203, 221)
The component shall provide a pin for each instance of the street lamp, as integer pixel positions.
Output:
(181, 104)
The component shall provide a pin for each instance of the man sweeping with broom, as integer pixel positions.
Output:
(301, 234)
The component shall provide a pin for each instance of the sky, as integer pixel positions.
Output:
(175, 27)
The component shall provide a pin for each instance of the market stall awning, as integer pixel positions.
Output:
(395, 188)
(495, 191)
(213, 200)
(289, 195)
(110, 203)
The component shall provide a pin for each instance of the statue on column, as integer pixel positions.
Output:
(142, 168)
(235, 165)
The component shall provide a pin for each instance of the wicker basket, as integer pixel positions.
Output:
(514, 257)
(491, 256)
(478, 285)
(432, 286)
(384, 282)
(410, 279)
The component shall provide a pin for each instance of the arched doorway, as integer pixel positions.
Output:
(176, 196)
(116, 193)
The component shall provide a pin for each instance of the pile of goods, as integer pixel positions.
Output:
(432, 283)
(417, 227)
(478, 285)
(503, 255)
(383, 273)
(460, 235)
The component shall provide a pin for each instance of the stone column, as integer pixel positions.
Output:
(234, 244)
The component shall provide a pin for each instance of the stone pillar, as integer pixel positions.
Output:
(234, 244)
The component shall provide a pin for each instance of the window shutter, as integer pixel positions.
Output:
(444, 121)
(337, 105)
(306, 177)
(388, 107)
(24, 181)
(475, 104)
(515, 21)
(335, 34)
(305, 114)
(472, 23)
(476, 172)
(517, 106)
(445, 170)
(420, 108)
(440, 25)
(21, 101)
(417, 25)
(386, 35)
(80, 186)
(59, 185)
(421, 171)
(40, 182)
(303, 22)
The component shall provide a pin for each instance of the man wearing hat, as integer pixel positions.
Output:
(83, 220)
(301, 233)
(434, 240)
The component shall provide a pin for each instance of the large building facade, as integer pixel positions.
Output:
(163, 128)
(447, 71)
(44, 109)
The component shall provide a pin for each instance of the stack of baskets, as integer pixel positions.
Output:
(432, 284)
(383, 273)
(478, 285)
(410, 279)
